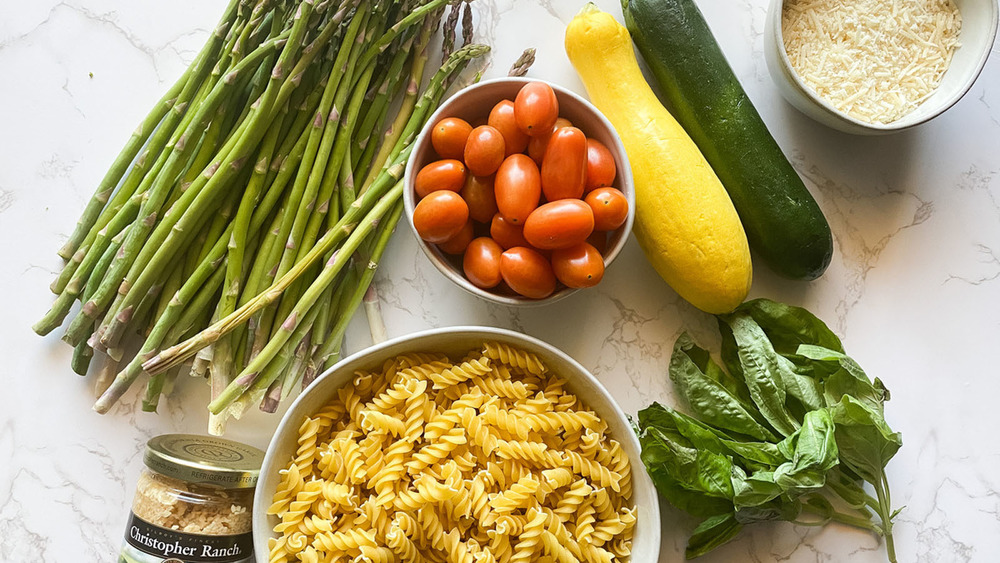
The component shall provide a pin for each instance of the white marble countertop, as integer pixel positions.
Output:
(914, 287)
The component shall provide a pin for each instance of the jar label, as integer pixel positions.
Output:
(143, 540)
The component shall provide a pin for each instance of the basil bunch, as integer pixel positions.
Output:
(790, 424)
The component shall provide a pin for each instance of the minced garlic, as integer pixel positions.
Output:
(174, 504)
(193, 502)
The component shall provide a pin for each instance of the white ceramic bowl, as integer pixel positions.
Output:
(474, 103)
(454, 341)
(979, 27)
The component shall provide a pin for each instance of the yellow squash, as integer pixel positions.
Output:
(684, 219)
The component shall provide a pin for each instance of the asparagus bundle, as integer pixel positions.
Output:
(246, 215)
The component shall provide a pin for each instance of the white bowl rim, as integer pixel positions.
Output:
(625, 173)
(902, 123)
(261, 502)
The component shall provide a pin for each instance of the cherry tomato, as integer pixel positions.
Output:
(559, 224)
(507, 234)
(502, 118)
(527, 272)
(578, 266)
(538, 143)
(610, 208)
(517, 187)
(478, 193)
(449, 136)
(482, 262)
(446, 174)
(458, 243)
(440, 216)
(564, 167)
(536, 108)
(600, 166)
(484, 151)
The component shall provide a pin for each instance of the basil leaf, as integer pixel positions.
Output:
(827, 355)
(709, 391)
(812, 451)
(881, 389)
(755, 489)
(701, 435)
(730, 354)
(692, 480)
(805, 389)
(760, 367)
(755, 453)
(694, 469)
(703, 360)
(692, 502)
(803, 386)
(787, 326)
(865, 441)
(698, 434)
(842, 384)
(845, 378)
(821, 513)
(712, 533)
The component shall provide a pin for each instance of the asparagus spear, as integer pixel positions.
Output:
(306, 186)
(262, 365)
(330, 354)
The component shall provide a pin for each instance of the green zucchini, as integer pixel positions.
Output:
(784, 225)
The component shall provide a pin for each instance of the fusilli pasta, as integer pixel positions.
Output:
(482, 460)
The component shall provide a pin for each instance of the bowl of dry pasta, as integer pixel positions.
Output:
(469, 444)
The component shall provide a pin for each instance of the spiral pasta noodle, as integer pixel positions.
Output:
(462, 372)
(557, 478)
(585, 522)
(402, 546)
(552, 546)
(514, 357)
(547, 422)
(299, 508)
(502, 386)
(376, 554)
(345, 541)
(519, 495)
(536, 453)
(289, 486)
(305, 455)
(487, 459)
(529, 541)
(572, 499)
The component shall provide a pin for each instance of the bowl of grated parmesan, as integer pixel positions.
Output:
(874, 67)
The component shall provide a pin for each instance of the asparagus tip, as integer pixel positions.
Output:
(523, 63)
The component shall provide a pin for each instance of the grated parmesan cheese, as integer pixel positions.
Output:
(875, 60)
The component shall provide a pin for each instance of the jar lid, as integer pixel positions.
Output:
(204, 460)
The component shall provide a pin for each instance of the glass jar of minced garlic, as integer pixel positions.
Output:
(193, 502)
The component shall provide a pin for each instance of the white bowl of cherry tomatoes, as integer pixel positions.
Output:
(519, 191)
